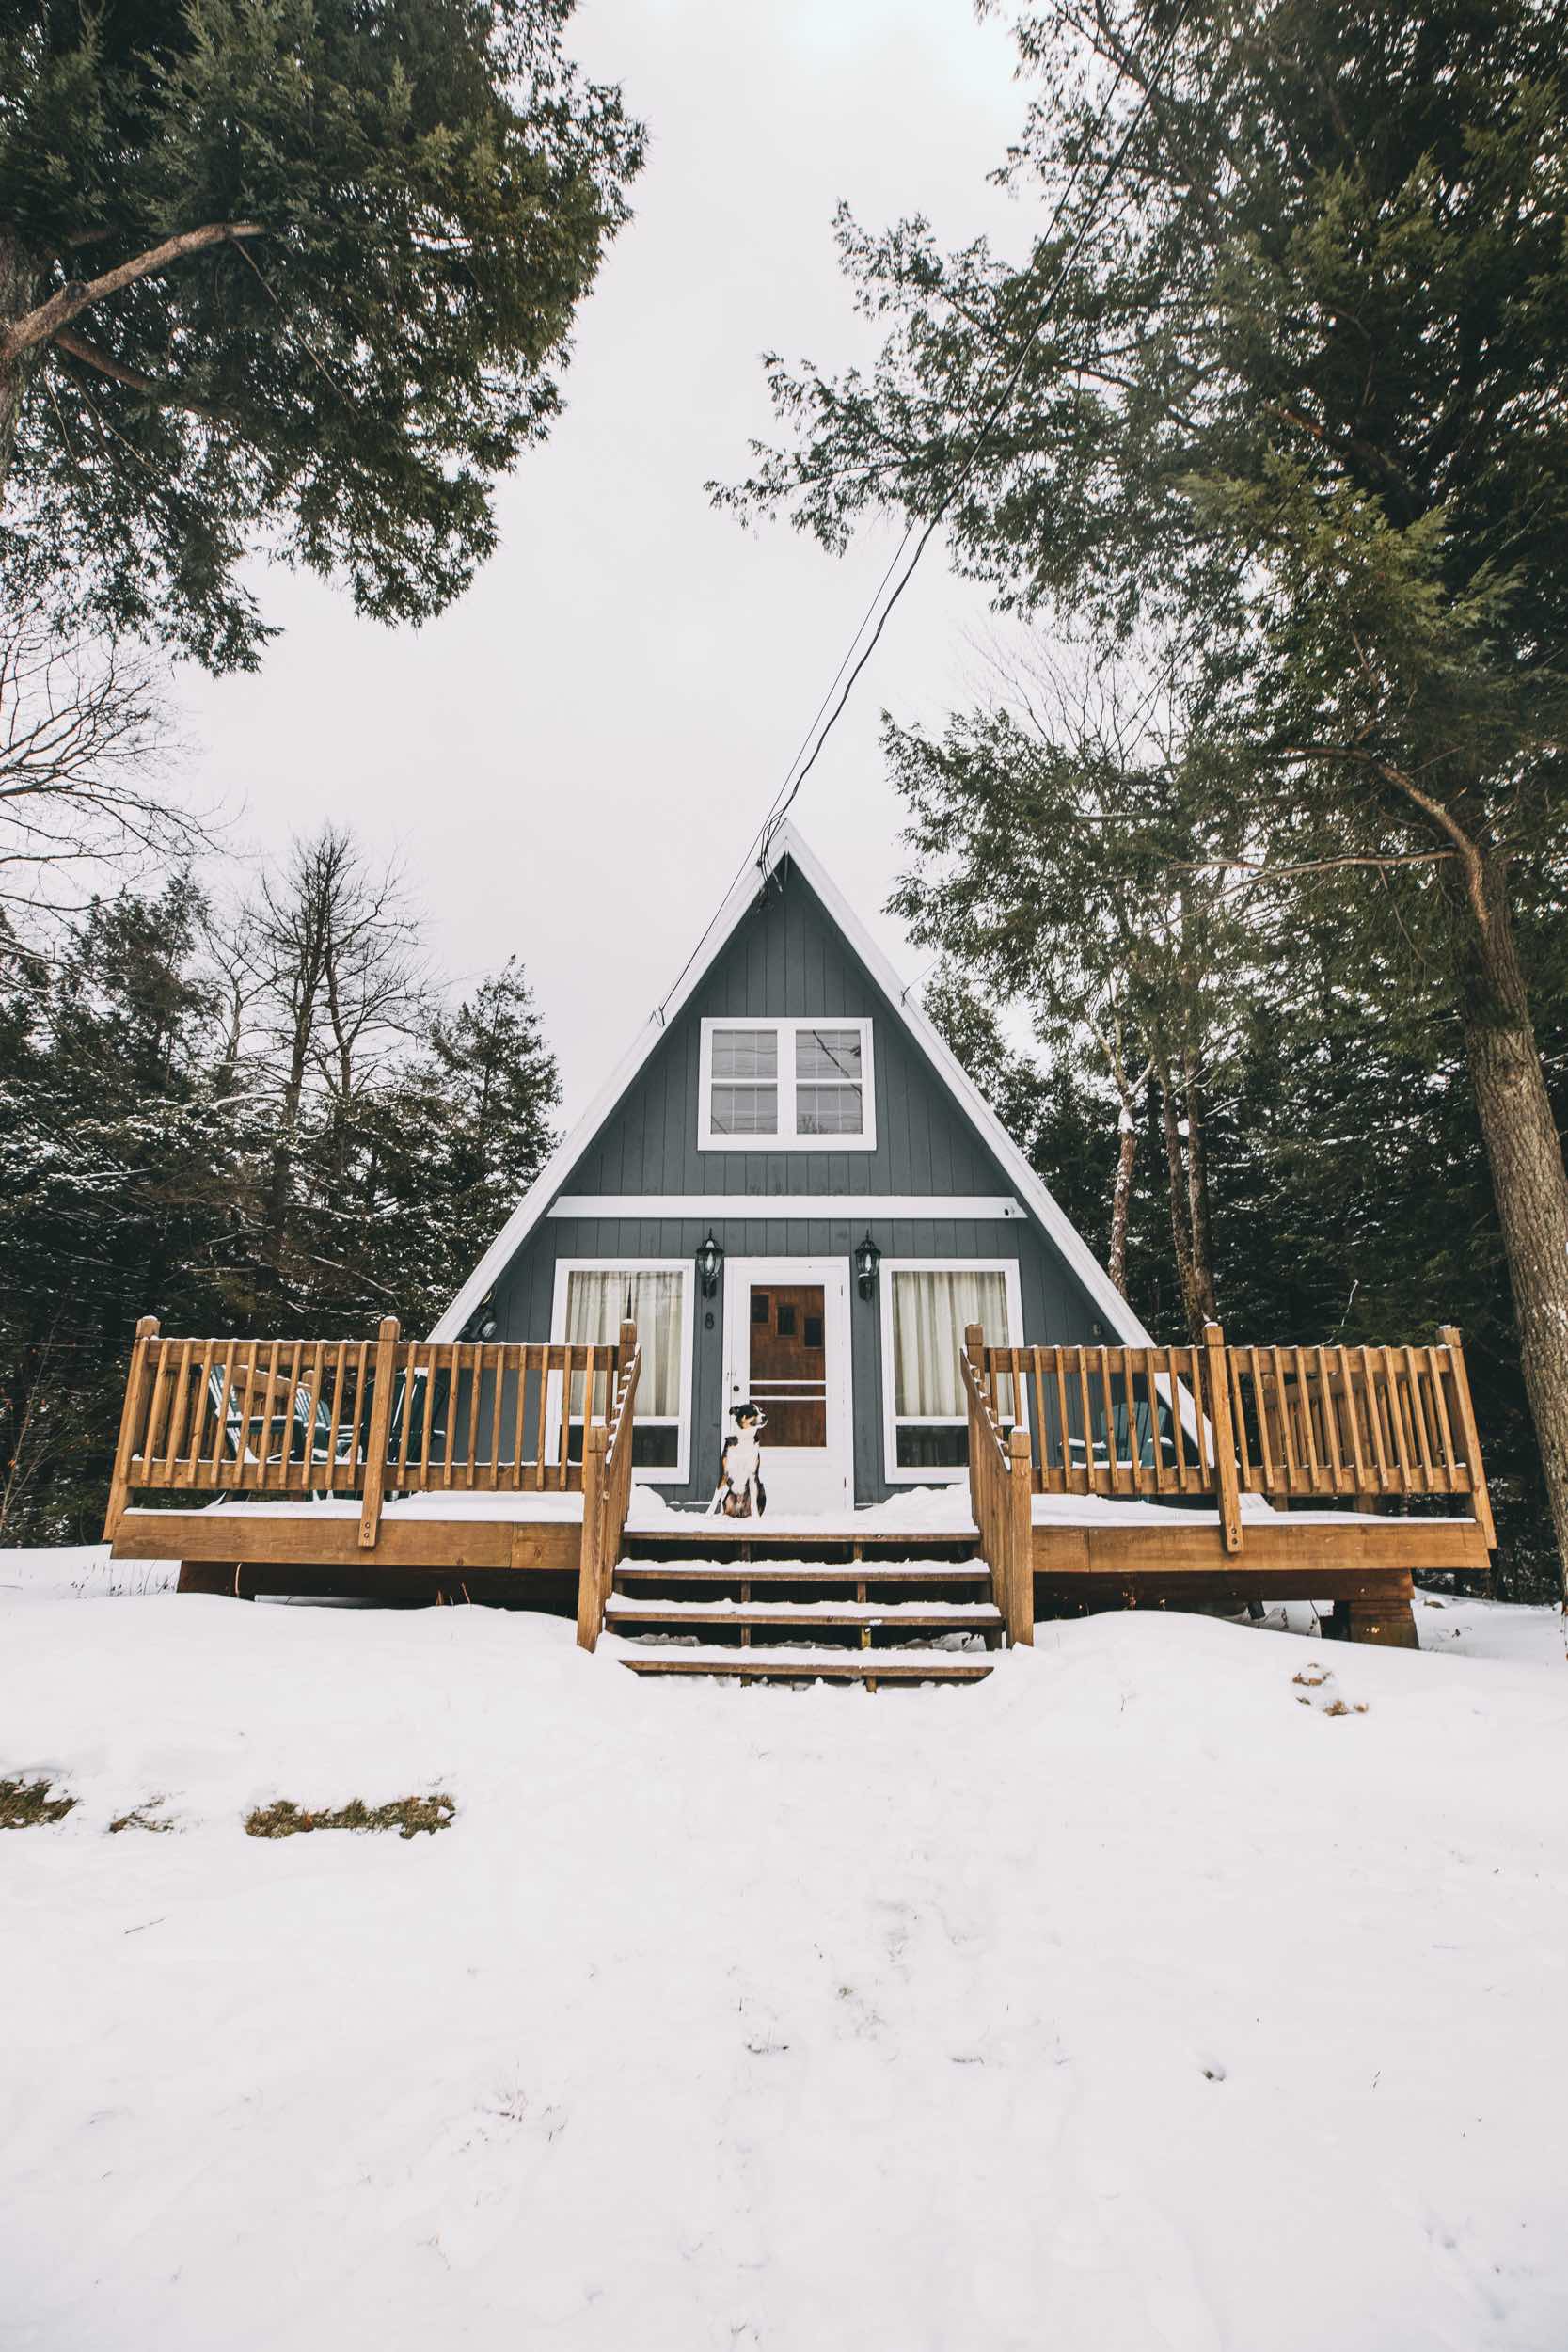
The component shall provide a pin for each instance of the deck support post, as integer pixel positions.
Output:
(376, 1439)
(1389, 1623)
(130, 1423)
(1020, 1603)
(591, 1577)
(1222, 1429)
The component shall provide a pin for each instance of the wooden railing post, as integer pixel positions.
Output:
(1216, 1403)
(1019, 1541)
(974, 1339)
(1449, 1334)
(622, 1364)
(130, 1417)
(375, 1437)
(596, 1440)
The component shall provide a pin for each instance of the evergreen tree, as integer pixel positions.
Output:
(138, 1165)
(1076, 861)
(1287, 376)
(294, 276)
(113, 1198)
(502, 1087)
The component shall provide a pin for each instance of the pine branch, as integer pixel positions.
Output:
(166, 395)
(42, 324)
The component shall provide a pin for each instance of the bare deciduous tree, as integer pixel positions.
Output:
(328, 967)
(86, 747)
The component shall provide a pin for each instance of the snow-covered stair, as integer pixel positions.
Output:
(793, 1620)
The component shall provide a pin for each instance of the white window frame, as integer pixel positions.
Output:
(787, 1140)
(670, 1475)
(892, 1421)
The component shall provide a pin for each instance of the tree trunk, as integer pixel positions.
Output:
(19, 289)
(1528, 1182)
(1181, 1206)
(1198, 1201)
(281, 1178)
(1122, 1198)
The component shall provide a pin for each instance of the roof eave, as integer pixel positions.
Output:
(789, 844)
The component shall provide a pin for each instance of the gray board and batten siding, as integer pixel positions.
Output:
(788, 958)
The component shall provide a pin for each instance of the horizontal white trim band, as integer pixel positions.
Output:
(792, 1208)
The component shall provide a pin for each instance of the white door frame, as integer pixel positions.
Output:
(823, 1479)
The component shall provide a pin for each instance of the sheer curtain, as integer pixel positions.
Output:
(931, 1308)
(600, 1300)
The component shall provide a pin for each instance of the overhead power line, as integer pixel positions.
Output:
(804, 760)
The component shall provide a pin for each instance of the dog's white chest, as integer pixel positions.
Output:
(743, 1457)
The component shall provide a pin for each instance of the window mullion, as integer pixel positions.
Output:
(788, 1032)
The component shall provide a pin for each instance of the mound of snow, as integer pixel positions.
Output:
(1119, 2002)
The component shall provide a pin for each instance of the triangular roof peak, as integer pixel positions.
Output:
(787, 845)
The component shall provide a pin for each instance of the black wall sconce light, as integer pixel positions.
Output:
(867, 1259)
(710, 1259)
(482, 1323)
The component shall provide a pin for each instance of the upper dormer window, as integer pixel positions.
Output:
(798, 1085)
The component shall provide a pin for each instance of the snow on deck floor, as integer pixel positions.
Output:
(922, 1511)
(1120, 2003)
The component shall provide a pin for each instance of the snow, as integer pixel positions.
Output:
(1119, 2001)
(547, 1504)
(797, 1612)
(803, 1656)
(920, 1511)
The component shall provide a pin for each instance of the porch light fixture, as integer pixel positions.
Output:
(710, 1259)
(867, 1259)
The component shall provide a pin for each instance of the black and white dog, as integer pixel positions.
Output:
(740, 1493)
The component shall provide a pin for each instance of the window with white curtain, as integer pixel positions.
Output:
(593, 1298)
(926, 1311)
(795, 1085)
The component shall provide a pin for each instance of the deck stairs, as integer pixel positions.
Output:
(907, 1611)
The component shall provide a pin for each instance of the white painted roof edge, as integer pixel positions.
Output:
(788, 842)
(1034, 1194)
(536, 1201)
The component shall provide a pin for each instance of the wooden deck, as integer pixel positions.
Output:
(1178, 1477)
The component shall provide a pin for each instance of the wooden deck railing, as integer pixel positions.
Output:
(1351, 1425)
(606, 1493)
(999, 1494)
(280, 1418)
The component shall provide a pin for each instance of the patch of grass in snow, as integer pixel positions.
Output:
(140, 1817)
(1322, 1678)
(408, 1816)
(27, 1805)
(118, 1579)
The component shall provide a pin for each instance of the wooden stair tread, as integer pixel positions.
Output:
(702, 1529)
(956, 1617)
(802, 1572)
(888, 1665)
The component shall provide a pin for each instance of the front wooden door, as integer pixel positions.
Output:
(787, 1331)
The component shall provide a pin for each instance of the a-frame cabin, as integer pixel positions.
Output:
(790, 1195)
(799, 1197)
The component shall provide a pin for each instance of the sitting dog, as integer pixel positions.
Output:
(740, 1493)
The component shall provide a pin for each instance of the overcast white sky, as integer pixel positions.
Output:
(573, 759)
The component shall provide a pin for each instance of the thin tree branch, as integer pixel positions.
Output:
(1313, 866)
(39, 325)
(167, 395)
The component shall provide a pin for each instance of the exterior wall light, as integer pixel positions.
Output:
(867, 1259)
(710, 1260)
(482, 1323)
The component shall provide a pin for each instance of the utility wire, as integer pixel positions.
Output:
(753, 846)
(795, 776)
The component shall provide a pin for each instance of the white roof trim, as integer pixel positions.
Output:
(787, 843)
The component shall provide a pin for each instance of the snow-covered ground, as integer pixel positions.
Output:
(1122, 2003)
